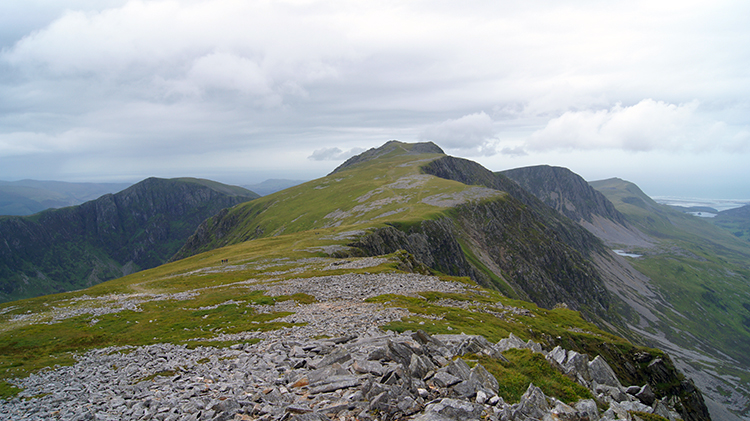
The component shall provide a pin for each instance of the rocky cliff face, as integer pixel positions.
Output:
(471, 173)
(510, 250)
(565, 191)
(140, 227)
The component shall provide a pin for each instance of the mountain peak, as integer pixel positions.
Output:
(390, 147)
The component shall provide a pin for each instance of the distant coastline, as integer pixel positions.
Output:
(689, 202)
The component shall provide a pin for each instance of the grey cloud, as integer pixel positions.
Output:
(208, 82)
(472, 133)
(646, 126)
(517, 151)
(333, 154)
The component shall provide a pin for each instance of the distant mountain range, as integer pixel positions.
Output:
(28, 197)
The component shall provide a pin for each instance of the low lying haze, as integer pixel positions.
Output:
(655, 92)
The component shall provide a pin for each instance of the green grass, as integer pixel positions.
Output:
(7, 390)
(524, 367)
(542, 325)
(217, 344)
(738, 228)
(645, 416)
(27, 349)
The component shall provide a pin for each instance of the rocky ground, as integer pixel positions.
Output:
(339, 365)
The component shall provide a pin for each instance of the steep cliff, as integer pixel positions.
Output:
(501, 245)
(673, 256)
(471, 173)
(137, 228)
(566, 192)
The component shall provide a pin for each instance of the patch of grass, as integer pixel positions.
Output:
(524, 367)
(548, 327)
(8, 391)
(645, 416)
(32, 347)
(217, 344)
(163, 373)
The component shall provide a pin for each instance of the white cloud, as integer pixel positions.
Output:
(646, 126)
(145, 49)
(470, 133)
(515, 151)
(333, 154)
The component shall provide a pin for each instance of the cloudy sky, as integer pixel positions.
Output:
(655, 92)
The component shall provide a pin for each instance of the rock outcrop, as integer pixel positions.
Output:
(376, 375)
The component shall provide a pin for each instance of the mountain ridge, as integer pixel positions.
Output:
(443, 239)
(140, 227)
(383, 243)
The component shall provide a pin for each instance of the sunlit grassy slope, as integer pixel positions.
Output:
(703, 271)
(388, 189)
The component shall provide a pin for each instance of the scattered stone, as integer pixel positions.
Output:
(357, 371)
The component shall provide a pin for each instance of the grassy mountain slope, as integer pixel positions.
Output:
(703, 272)
(382, 190)
(392, 198)
(736, 221)
(75, 247)
(272, 186)
(221, 285)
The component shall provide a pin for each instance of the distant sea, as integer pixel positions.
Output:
(688, 202)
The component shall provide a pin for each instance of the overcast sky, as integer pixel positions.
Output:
(654, 92)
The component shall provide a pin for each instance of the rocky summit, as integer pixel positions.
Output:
(338, 365)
